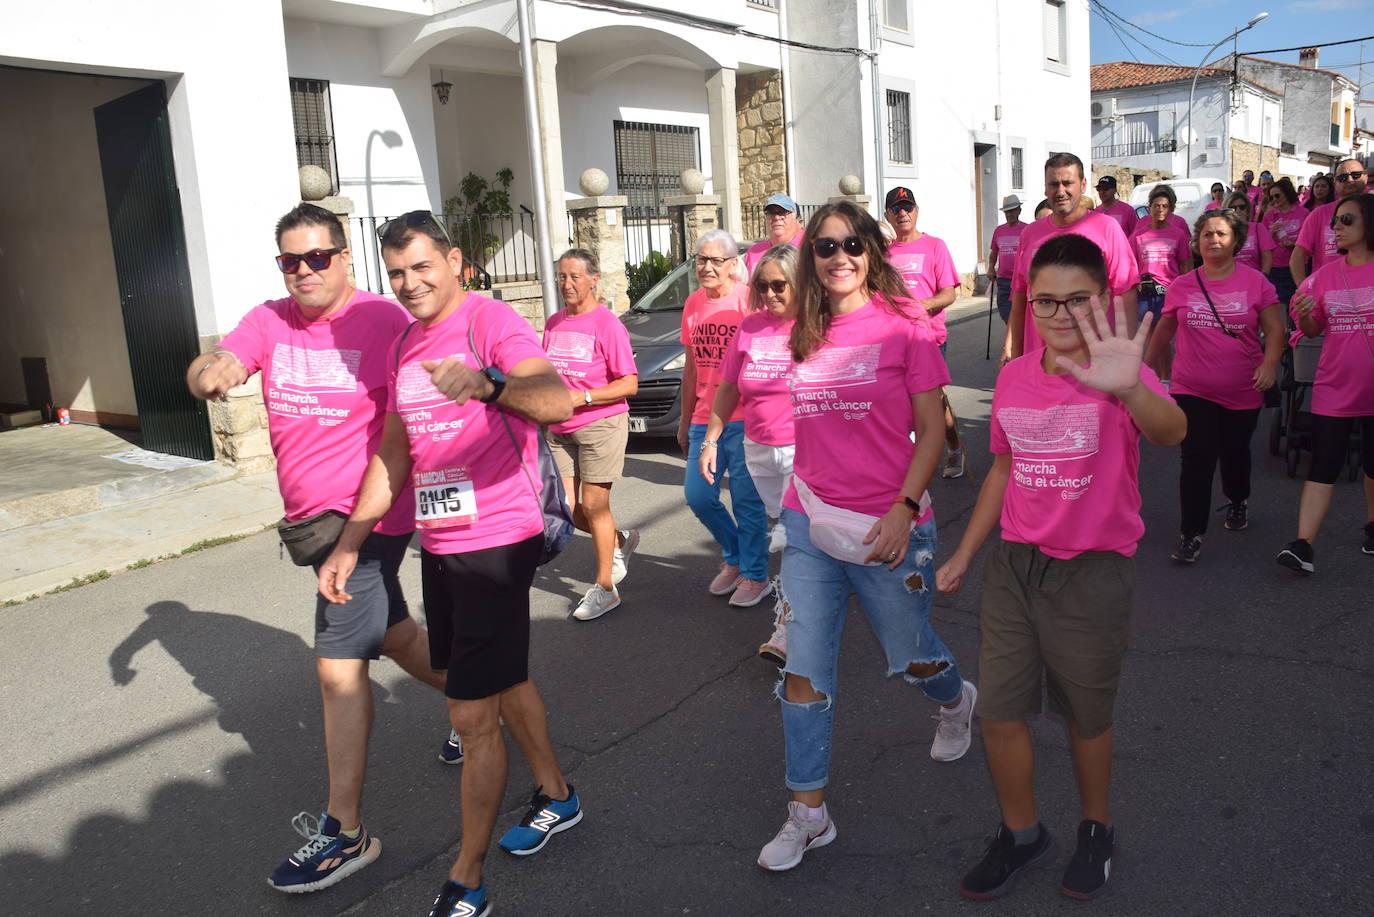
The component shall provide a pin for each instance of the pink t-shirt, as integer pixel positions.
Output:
(1283, 229)
(1344, 386)
(759, 249)
(1159, 251)
(926, 269)
(708, 325)
(1212, 205)
(470, 493)
(1208, 362)
(1007, 239)
(758, 363)
(1257, 242)
(1075, 461)
(851, 404)
(1254, 193)
(589, 351)
(1102, 231)
(324, 383)
(1318, 237)
(1123, 213)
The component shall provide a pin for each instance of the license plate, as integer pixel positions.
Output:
(639, 424)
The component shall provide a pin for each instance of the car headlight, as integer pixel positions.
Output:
(677, 362)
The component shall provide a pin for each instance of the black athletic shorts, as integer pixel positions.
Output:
(478, 608)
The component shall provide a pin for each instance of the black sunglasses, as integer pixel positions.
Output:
(316, 260)
(902, 207)
(1350, 176)
(1345, 219)
(826, 247)
(763, 286)
(416, 219)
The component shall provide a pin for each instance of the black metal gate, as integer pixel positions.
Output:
(149, 245)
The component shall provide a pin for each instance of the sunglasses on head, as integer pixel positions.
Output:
(416, 219)
(1345, 219)
(1350, 176)
(763, 286)
(316, 260)
(902, 207)
(826, 247)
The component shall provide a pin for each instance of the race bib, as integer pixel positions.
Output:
(444, 498)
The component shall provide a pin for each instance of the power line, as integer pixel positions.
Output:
(1327, 44)
(1122, 36)
(1115, 15)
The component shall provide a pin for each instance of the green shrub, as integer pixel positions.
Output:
(646, 273)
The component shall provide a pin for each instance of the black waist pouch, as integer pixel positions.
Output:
(310, 540)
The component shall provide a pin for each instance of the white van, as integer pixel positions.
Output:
(1193, 196)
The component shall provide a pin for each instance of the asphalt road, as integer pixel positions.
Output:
(162, 727)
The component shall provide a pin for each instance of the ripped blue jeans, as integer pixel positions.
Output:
(897, 605)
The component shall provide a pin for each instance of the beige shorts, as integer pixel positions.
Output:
(594, 453)
(1068, 621)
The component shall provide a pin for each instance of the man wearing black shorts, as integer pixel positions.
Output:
(323, 354)
(470, 386)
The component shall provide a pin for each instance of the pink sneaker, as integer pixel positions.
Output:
(726, 580)
(750, 592)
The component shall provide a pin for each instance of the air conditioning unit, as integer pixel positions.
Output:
(1104, 109)
(1207, 159)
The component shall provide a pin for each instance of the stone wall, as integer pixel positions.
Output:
(1126, 180)
(238, 424)
(1246, 155)
(762, 151)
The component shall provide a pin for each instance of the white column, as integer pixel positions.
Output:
(551, 133)
(720, 108)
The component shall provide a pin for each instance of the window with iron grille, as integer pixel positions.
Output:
(314, 127)
(898, 126)
(1018, 168)
(649, 159)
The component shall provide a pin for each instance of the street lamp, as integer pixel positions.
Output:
(1188, 167)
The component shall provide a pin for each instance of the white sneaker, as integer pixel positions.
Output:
(620, 561)
(954, 735)
(596, 603)
(777, 538)
(798, 834)
(774, 649)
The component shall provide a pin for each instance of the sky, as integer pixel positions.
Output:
(1290, 23)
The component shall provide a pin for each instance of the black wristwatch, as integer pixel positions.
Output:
(498, 383)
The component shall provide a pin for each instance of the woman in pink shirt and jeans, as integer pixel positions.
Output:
(867, 374)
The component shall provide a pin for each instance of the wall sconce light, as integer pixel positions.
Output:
(441, 88)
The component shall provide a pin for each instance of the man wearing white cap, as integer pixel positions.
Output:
(1006, 239)
(780, 214)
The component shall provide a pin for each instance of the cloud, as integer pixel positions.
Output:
(1146, 19)
(1328, 6)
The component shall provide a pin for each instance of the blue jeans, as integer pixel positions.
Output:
(1004, 298)
(743, 539)
(897, 604)
(1153, 304)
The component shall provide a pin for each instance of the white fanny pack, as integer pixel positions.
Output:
(841, 532)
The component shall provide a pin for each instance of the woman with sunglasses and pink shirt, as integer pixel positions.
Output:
(866, 375)
(754, 378)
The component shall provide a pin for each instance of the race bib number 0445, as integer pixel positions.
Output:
(444, 498)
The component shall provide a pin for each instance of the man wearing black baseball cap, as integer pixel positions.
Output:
(1117, 209)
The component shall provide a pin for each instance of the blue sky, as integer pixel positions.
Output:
(1290, 23)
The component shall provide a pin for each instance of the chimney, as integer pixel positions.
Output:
(1307, 57)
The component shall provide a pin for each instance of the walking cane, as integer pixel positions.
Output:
(992, 307)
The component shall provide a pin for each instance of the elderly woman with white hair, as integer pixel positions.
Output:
(710, 318)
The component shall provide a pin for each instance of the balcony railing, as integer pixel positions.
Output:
(1142, 148)
(763, 4)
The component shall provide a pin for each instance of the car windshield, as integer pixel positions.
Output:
(670, 293)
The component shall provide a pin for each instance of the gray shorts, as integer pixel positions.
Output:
(356, 629)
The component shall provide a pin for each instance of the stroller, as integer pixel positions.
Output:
(1290, 431)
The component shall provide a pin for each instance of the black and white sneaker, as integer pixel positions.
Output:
(1297, 556)
(1189, 547)
(1368, 547)
(1237, 517)
(1002, 862)
(1087, 873)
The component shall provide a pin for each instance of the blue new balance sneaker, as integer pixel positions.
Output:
(456, 901)
(545, 818)
(327, 857)
(452, 750)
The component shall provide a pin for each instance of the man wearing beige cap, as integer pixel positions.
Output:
(1006, 239)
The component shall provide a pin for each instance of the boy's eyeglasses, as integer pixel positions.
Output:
(825, 247)
(416, 219)
(1350, 176)
(317, 260)
(1046, 307)
(763, 286)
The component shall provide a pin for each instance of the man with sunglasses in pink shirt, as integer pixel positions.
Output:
(1317, 238)
(324, 352)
